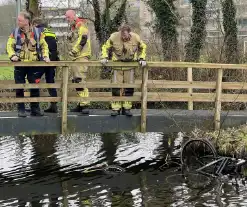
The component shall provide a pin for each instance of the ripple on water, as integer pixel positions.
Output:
(49, 170)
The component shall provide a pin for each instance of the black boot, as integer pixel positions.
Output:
(115, 112)
(126, 112)
(52, 108)
(21, 110)
(36, 112)
(84, 110)
(22, 113)
(76, 109)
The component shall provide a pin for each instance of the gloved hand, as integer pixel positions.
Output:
(46, 59)
(14, 58)
(72, 53)
(104, 61)
(142, 62)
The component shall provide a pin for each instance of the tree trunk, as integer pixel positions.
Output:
(103, 23)
(32, 6)
(231, 30)
(165, 24)
(198, 31)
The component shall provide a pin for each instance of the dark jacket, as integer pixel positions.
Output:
(51, 40)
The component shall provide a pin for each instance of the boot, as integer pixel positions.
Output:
(22, 113)
(21, 110)
(36, 112)
(76, 109)
(126, 112)
(52, 108)
(115, 112)
(84, 110)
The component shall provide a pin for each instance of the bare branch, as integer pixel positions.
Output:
(113, 2)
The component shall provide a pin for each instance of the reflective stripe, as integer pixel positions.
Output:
(16, 33)
(36, 32)
(17, 42)
(48, 34)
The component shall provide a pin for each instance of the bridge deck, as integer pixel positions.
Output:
(100, 121)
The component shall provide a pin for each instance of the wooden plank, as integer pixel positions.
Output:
(105, 99)
(28, 86)
(174, 65)
(144, 100)
(152, 96)
(46, 94)
(5, 84)
(65, 100)
(190, 90)
(103, 85)
(68, 64)
(27, 100)
(218, 100)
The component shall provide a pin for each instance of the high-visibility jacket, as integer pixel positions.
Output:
(79, 40)
(51, 40)
(130, 50)
(28, 46)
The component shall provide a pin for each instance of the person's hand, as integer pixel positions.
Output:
(46, 59)
(15, 58)
(142, 62)
(104, 61)
(72, 53)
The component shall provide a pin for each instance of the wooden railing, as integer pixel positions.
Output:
(143, 85)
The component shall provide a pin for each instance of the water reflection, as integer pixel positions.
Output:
(61, 171)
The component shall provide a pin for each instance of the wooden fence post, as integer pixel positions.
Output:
(65, 99)
(218, 99)
(144, 99)
(190, 90)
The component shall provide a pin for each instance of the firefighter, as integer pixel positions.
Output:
(27, 44)
(50, 72)
(79, 50)
(126, 46)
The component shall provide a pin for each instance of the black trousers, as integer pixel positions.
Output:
(20, 73)
(50, 73)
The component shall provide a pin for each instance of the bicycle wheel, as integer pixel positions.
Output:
(197, 153)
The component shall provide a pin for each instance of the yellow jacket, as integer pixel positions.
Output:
(28, 51)
(79, 40)
(130, 50)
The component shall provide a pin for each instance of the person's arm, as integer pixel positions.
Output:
(105, 49)
(44, 46)
(142, 49)
(10, 47)
(82, 39)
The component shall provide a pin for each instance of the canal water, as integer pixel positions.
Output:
(70, 171)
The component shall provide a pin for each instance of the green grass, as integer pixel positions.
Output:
(7, 73)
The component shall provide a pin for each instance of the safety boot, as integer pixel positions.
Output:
(21, 110)
(84, 110)
(115, 112)
(52, 108)
(36, 112)
(126, 112)
(22, 113)
(78, 108)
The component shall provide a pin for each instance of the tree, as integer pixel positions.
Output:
(165, 24)
(231, 30)
(33, 7)
(198, 31)
(105, 21)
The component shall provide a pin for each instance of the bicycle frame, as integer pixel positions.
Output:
(223, 161)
